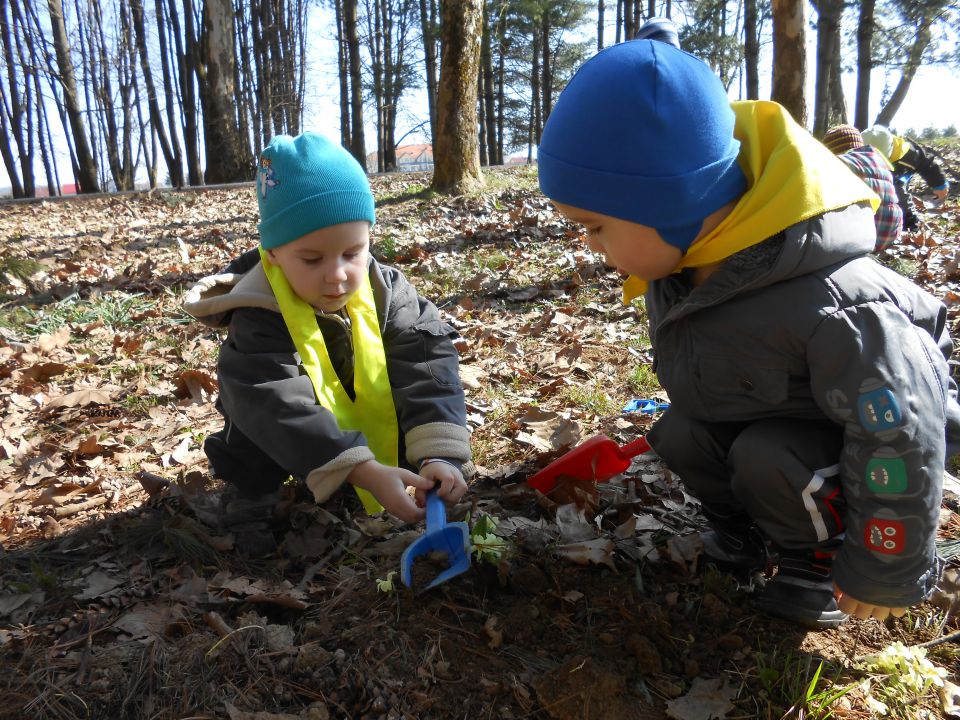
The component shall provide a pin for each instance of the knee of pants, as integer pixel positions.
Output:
(751, 464)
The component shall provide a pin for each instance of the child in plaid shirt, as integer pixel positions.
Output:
(847, 143)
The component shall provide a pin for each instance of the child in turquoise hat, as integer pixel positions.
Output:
(811, 403)
(334, 370)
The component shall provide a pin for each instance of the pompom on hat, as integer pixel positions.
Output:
(306, 183)
(843, 138)
(659, 28)
(643, 132)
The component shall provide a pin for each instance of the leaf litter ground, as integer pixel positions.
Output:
(122, 597)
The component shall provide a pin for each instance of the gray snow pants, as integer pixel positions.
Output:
(783, 473)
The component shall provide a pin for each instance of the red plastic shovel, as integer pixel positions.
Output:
(597, 459)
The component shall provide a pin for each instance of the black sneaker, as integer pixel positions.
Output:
(735, 544)
(746, 552)
(251, 520)
(802, 591)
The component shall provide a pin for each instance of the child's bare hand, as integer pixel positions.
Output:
(862, 610)
(451, 482)
(388, 486)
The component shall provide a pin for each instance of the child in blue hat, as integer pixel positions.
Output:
(333, 370)
(811, 402)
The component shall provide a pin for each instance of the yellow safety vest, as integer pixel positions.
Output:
(372, 412)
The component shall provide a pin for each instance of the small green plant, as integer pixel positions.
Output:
(493, 261)
(17, 267)
(907, 268)
(487, 546)
(591, 398)
(386, 247)
(115, 310)
(792, 679)
(899, 676)
(643, 380)
(387, 586)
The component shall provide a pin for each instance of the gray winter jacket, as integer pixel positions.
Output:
(807, 325)
(266, 392)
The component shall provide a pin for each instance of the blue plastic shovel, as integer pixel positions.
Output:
(452, 539)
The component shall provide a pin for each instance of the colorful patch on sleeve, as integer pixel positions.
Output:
(878, 410)
(885, 536)
(886, 475)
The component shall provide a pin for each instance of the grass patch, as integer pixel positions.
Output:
(796, 681)
(116, 311)
(590, 397)
(907, 268)
(643, 381)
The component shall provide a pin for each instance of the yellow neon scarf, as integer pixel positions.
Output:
(901, 146)
(373, 412)
(791, 177)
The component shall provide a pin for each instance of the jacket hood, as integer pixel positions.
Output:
(213, 298)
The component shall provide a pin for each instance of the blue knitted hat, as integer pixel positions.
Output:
(643, 132)
(305, 183)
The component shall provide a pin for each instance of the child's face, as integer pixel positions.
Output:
(635, 249)
(326, 267)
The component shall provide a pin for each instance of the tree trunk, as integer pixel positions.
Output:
(546, 85)
(343, 75)
(456, 166)
(358, 146)
(838, 103)
(481, 118)
(227, 159)
(86, 170)
(789, 58)
(751, 49)
(156, 118)
(533, 135)
(501, 77)
(865, 25)
(828, 39)
(428, 26)
(375, 49)
(14, 128)
(629, 27)
(168, 88)
(601, 7)
(187, 56)
(488, 111)
(920, 42)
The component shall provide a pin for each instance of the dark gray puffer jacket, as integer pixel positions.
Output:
(807, 325)
(267, 394)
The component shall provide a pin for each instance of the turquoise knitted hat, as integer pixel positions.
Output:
(305, 183)
(643, 132)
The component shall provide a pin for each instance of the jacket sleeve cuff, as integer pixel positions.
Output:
(438, 439)
(326, 479)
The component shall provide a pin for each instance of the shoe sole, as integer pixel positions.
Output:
(813, 620)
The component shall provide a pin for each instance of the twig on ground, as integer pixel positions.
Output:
(68, 510)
